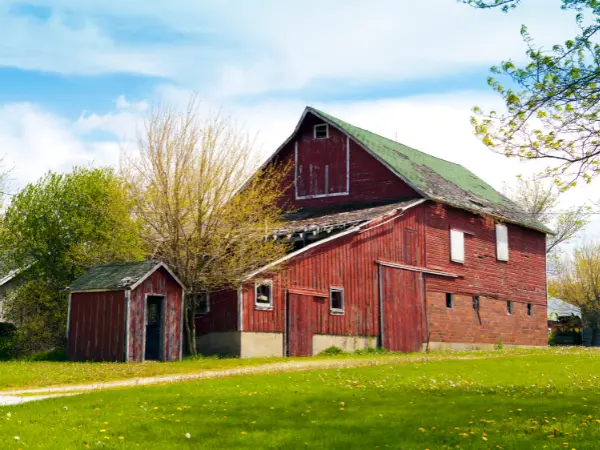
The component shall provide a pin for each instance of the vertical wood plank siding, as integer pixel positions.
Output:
(223, 315)
(370, 181)
(349, 263)
(159, 283)
(97, 326)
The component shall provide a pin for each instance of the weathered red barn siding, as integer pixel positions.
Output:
(97, 326)
(162, 284)
(223, 314)
(403, 317)
(370, 180)
(521, 279)
(347, 262)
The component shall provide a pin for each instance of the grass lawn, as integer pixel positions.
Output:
(31, 374)
(540, 399)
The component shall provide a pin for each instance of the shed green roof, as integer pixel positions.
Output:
(113, 276)
(436, 178)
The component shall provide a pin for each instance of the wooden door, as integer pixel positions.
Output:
(299, 334)
(401, 322)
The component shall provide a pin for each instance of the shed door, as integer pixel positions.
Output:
(401, 321)
(299, 333)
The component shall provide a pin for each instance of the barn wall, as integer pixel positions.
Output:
(159, 283)
(97, 326)
(223, 313)
(522, 279)
(370, 180)
(347, 262)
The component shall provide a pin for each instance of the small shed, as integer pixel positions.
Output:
(126, 312)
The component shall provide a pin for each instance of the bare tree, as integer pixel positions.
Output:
(200, 214)
(577, 281)
(540, 199)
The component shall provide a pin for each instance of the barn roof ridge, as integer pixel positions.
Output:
(435, 178)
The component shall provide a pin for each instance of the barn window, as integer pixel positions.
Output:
(476, 303)
(321, 131)
(457, 246)
(529, 309)
(202, 304)
(336, 300)
(509, 307)
(501, 242)
(263, 294)
(449, 300)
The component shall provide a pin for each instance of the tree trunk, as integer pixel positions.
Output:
(190, 328)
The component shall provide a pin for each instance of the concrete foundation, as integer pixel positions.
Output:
(242, 344)
(346, 343)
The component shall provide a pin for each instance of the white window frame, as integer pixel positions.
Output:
(457, 246)
(334, 194)
(337, 311)
(207, 305)
(326, 125)
(263, 306)
(502, 246)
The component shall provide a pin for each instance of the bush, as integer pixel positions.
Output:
(552, 339)
(56, 354)
(7, 340)
(333, 350)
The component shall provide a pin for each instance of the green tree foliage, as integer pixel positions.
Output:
(552, 102)
(54, 229)
(577, 281)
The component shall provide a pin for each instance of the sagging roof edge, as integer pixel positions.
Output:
(329, 239)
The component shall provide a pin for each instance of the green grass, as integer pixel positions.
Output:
(516, 400)
(31, 374)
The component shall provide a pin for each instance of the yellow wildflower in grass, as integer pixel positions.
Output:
(121, 438)
(102, 430)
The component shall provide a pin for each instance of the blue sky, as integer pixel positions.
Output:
(77, 77)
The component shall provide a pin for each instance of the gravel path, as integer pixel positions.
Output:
(13, 397)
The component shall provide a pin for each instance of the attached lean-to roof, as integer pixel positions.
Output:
(327, 218)
(116, 276)
(435, 178)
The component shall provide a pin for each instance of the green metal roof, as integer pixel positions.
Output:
(435, 178)
(113, 276)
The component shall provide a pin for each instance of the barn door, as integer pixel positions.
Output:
(299, 330)
(401, 309)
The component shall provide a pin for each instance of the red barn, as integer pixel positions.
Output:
(126, 312)
(392, 247)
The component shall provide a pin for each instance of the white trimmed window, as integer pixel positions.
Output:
(501, 242)
(336, 300)
(457, 246)
(321, 131)
(203, 304)
(263, 294)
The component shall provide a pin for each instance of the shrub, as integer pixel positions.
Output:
(7, 340)
(499, 344)
(56, 354)
(552, 339)
(333, 350)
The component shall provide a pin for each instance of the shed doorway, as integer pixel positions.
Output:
(154, 327)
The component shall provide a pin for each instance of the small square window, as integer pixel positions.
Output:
(509, 307)
(202, 304)
(476, 303)
(449, 300)
(336, 300)
(529, 309)
(321, 131)
(263, 295)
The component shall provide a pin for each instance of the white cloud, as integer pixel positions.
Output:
(240, 47)
(34, 141)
